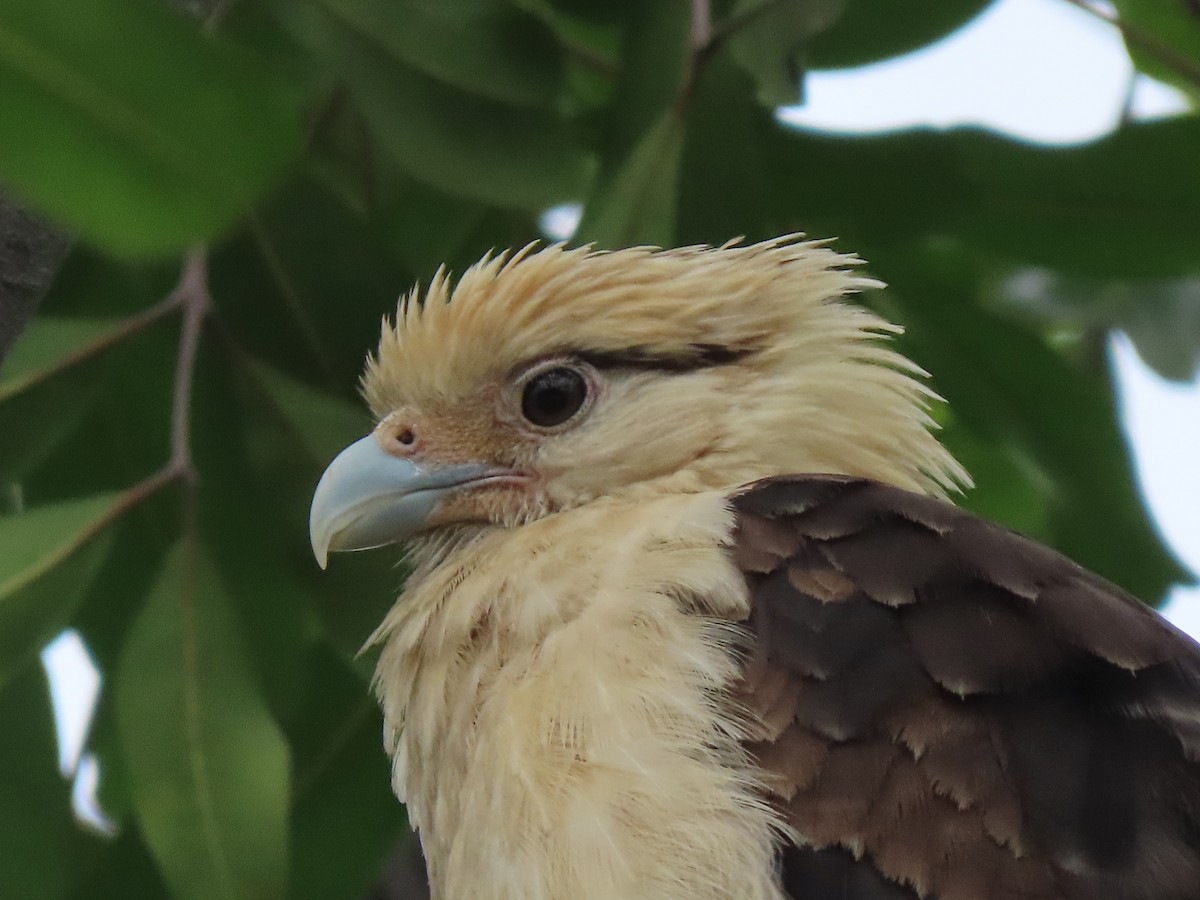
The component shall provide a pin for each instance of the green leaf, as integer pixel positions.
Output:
(41, 846)
(771, 44)
(324, 424)
(1161, 316)
(342, 775)
(719, 200)
(1056, 421)
(50, 555)
(463, 143)
(871, 30)
(125, 870)
(1173, 28)
(36, 421)
(135, 128)
(1124, 206)
(209, 767)
(638, 205)
(50, 345)
(483, 49)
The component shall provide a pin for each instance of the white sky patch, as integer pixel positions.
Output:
(559, 223)
(1162, 422)
(74, 687)
(1041, 70)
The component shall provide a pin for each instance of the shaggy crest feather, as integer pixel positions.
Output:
(816, 366)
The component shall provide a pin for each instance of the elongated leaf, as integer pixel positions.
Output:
(638, 206)
(134, 128)
(771, 45)
(1010, 388)
(40, 845)
(460, 142)
(484, 49)
(725, 186)
(209, 767)
(48, 557)
(324, 424)
(1123, 206)
(36, 421)
(1174, 28)
(870, 30)
(342, 775)
(48, 346)
(1161, 316)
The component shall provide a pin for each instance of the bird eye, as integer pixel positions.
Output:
(552, 397)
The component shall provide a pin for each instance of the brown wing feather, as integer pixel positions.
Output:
(958, 713)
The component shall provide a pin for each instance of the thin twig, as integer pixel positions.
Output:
(1150, 43)
(701, 23)
(127, 329)
(583, 54)
(192, 294)
(707, 40)
(725, 30)
(135, 495)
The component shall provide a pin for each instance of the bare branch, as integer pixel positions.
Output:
(701, 23)
(192, 294)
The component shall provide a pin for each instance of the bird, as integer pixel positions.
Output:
(691, 612)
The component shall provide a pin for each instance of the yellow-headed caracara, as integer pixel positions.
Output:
(691, 619)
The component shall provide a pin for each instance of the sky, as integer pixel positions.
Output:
(1041, 70)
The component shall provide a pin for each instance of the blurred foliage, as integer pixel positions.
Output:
(255, 190)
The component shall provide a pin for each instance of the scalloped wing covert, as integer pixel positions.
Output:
(954, 712)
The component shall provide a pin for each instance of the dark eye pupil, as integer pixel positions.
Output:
(553, 397)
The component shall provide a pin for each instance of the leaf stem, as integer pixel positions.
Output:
(1147, 41)
(192, 294)
(701, 23)
(126, 329)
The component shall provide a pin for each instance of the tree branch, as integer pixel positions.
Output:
(701, 23)
(192, 294)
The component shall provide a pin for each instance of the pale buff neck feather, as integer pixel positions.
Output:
(557, 703)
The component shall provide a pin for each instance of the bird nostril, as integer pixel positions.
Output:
(406, 437)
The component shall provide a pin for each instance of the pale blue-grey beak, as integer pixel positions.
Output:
(368, 498)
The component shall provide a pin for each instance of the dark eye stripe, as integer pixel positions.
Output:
(694, 357)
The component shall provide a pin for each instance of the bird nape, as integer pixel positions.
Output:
(690, 616)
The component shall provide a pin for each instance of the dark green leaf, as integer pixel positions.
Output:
(35, 422)
(1060, 423)
(323, 424)
(49, 345)
(1170, 50)
(725, 189)
(135, 128)
(50, 556)
(485, 49)
(342, 776)
(40, 843)
(209, 767)
(459, 142)
(125, 870)
(638, 205)
(870, 30)
(1123, 206)
(771, 43)
(1161, 316)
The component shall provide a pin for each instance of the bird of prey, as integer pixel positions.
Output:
(691, 617)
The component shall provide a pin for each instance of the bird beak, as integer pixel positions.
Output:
(368, 498)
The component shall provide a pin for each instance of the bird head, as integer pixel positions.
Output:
(557, 377)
